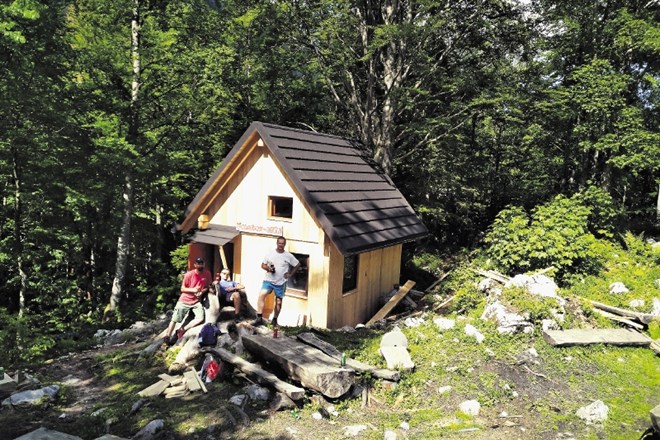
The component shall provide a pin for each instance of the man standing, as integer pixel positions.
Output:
(229, 292)
(195, 284)
(279, 265)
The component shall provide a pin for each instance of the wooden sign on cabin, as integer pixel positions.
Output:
(344, 221)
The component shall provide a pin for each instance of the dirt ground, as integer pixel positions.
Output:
(88, 386)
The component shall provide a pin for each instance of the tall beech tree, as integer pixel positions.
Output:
(152, 82)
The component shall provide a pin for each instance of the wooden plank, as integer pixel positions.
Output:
(199, 380)
(172, 380)
(331, 350)
(436, 282)
(444, 304)
(223, 257)
(492, 274)
(177, 391)
(258, 374)
(154, 390)
(612, 336)
(387, 308)
(644, 318)
(311, 367)
(620, 319)
(191, 381)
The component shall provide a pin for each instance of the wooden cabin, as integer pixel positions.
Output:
(343, 220)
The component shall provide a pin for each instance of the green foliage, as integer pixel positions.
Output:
(535, 307)
(638, 247)
(179, 258)
(555, 235)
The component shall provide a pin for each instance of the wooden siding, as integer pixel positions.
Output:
(379, 272)
(244, 199)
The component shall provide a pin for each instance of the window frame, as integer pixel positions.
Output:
(276, 201)
(352, 286)
(304, 268)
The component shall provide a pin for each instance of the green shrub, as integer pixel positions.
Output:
(556, 234)
(638, 247)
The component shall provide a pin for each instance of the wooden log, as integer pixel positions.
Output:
(644, 318)
(492, 274)
(612, 336)
(330, 350)
(620, 319)
(387, 308)
(309, 366)
(444, 304)
(438, 281)
(655, 346)
(260, 375)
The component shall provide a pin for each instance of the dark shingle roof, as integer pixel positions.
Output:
(358, 207)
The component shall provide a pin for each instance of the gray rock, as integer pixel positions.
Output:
(594, 413)
(471, 330)
(618, 287)
(444, 323)
(508, 322)
(239, 400)
(656, 306)
(636, 303)
(150, 431)
(389, 435)
(47, 434)
(354, 430)
(32, 397)
(256, 392)
(470, 407)
(655, 418)
(541, 285)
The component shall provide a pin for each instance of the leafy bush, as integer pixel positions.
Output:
(603, 215)
(636, 246)
(556, 234)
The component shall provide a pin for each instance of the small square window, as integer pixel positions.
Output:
(281, 207)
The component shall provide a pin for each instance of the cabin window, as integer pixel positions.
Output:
(297, 284)
(350, 273)
(281, 207)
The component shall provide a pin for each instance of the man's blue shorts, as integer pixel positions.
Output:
(270, 287)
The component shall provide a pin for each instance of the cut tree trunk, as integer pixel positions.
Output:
(258, 374)
(330, 350)
(312, 368)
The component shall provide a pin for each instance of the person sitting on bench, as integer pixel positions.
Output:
(229, 292)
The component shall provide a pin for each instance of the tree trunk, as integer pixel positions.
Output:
(18, 232)
(657, 207)
(124, 240)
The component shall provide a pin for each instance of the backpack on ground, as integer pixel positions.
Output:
(208, 335)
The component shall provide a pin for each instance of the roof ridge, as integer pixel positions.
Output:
(300, 130)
